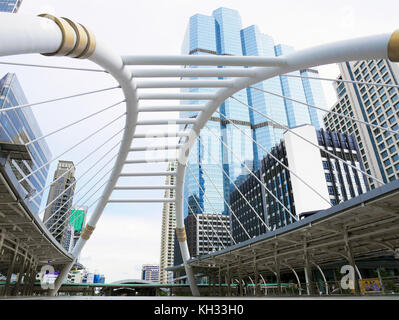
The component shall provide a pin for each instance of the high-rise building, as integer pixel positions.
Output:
(69, 238)
(150, 272)
(168, 230)
(222, 34)
(20, 126)
(59, 202)
(374, 104)
(205, 233)
(10, 5)
(334, 180)
(282, 111)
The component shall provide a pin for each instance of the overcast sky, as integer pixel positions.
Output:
(128, 236)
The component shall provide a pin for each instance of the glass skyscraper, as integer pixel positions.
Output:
(283, 111)
(10, 5)
(20, 126)
(222, 34)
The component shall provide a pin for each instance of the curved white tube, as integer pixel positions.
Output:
(21, 34)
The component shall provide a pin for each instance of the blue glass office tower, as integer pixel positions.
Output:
(20, 126)
(218, 34)
(283, 111)
(10, 5)
(222, 34)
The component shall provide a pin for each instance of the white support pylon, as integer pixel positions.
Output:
(26, 34)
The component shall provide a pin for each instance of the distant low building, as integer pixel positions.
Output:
(150, 272)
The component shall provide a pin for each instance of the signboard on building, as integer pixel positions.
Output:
(370, 285)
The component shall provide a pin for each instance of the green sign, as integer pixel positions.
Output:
(77, 219)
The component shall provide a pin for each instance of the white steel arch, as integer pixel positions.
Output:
(56, 36)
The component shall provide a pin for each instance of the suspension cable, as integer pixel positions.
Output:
(275, 158)
(57, 99)
(76, 181)
(102, 177)
(206, 216)
(234, 184)
(251, 173)
(76, 122)
(62, 224)
(77, 217)
(310, 142)
(346, 81)
(203, 212)
(214, 210)
(78, 191)
(328, 111)
(222, 197)
(200, 225)
(77, 164)
(74, 146)
(50, 67)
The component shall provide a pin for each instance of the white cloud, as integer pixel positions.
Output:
(122, 243)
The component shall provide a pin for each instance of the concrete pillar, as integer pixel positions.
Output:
(351, 261)
(11, 270)
(2, 238)
(308, 270)
(256, 276)
(228, 275)
(22, 272)
(209, 283)
(277, 262)
(213, 284)
(27, 276)
(240, 286)
(32, 278)
(220, 282)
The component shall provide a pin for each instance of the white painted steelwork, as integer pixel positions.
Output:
(25, 34)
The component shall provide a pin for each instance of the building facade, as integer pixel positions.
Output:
(205, 233)
(334, 180)
(150, 272)
(20, 126)
(11, 6)
(168, 230)
(59, 202)
(375, 104)
(222, 34)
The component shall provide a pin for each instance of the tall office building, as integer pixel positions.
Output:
(334, 180)
(168, 230)
(150, 272)
(374, 104)
(283, 112)
(10, 5)
(218, 34)
(59, 201)
(222, 34)
(20, 126)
